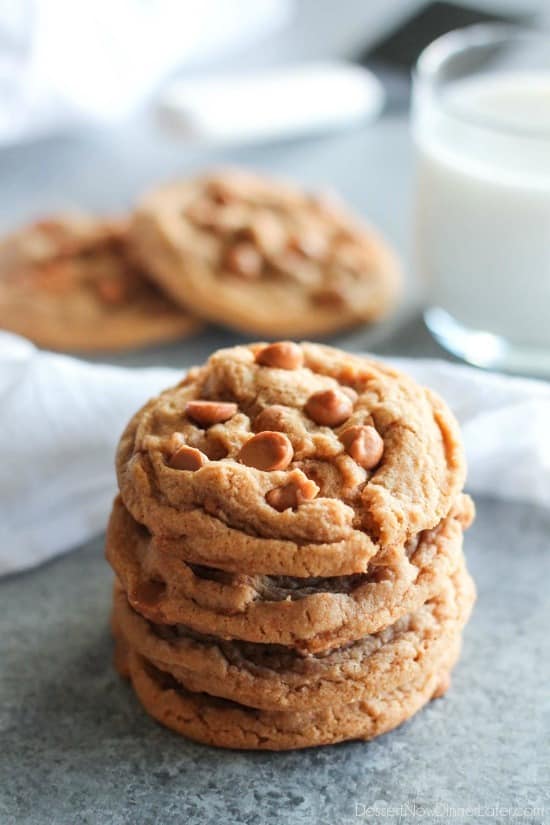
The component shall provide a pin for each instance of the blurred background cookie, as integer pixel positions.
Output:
(264, 257)
(71, 283)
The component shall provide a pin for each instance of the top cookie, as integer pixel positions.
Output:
(71, 283)
(292, 447)
(263, 257)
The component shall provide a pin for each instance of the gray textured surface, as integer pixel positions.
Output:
(76, 747)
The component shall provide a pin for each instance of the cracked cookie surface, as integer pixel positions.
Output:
(71, 283)
(329, 451)
(263, 256)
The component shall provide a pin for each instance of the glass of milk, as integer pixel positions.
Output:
(481, 125)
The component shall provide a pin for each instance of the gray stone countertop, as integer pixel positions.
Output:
(75, 747)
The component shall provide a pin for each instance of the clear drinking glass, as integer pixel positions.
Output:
(481, 125)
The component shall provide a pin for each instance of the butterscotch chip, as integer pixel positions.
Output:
(187, 458)
(73, 283)
(172, 444)
(267, 451)
(207, 413)
(330, 408)
(292, 494)
(364, 444)
(274, 417)
(244, 259)
(216, 449)
(330, 298)
(268, 232)
(295, 275)
(284, 354)
(282, 498)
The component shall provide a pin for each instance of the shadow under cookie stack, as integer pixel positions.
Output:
(288, 549)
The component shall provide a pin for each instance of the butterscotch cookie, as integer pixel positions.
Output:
(311, 614)
(263, 257)
(72, 283)
(272, 677)
(229, 724)
(292, 447)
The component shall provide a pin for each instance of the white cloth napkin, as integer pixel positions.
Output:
(65, 62)
(60, 420)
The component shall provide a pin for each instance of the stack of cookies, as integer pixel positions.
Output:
(231, 247)
(288, 549)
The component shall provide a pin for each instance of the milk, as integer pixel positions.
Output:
(482, 218)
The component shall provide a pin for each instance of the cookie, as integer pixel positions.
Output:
(308, 614)
(288, 549)
(228, 724)
(72, 283)
(263, 257)
(272, 677)
(300, 445)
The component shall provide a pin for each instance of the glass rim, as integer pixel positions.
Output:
(437, 53)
